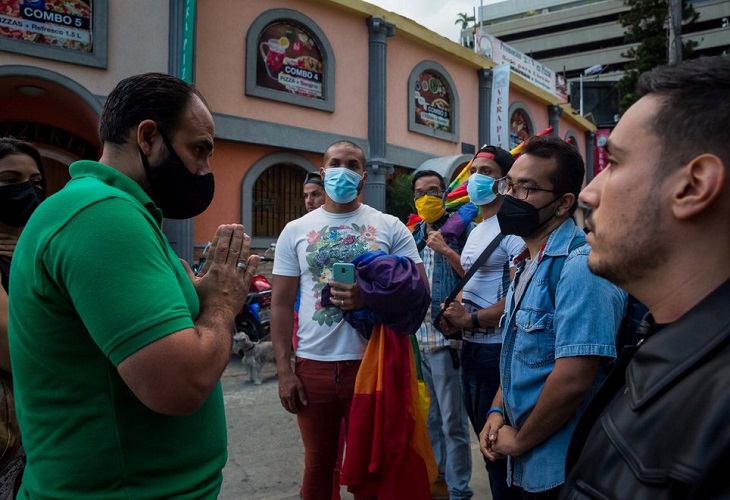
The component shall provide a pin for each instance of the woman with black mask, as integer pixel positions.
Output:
(21, 191)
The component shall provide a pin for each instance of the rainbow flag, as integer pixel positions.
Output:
(388, 451)
(455, 226)
(413, 219)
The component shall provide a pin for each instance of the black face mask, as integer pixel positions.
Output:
(18, 202)
(519, 217)
(179, 193)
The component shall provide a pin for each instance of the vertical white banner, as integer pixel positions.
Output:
(499, 127)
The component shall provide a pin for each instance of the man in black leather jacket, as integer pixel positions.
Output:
(660, 426)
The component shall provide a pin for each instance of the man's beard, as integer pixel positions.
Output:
(637, 253)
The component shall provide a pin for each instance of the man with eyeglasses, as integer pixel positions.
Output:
(482, 301)
(448, 425)
(559, 324)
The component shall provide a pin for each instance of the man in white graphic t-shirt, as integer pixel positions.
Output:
(320, 387)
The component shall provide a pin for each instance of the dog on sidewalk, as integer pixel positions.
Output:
(255, 355)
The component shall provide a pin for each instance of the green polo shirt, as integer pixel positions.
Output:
(100, 282)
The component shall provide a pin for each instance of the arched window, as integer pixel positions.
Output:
(289, 59)
(277, 199)
(272, 195)
(433, 103)
(520, 125)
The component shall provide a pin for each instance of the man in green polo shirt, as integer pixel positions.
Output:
(116, 348)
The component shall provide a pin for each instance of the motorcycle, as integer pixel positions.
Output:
(255, 315)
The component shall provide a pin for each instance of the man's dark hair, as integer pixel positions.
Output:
(502, 157)
(11, 146)
(313, 178)
(567, 176)
(694, 113)
(427, 173)
(150, 96)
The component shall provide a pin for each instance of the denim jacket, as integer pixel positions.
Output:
(445, 277)
(583, 321)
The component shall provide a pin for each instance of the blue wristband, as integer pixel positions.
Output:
(495, 409)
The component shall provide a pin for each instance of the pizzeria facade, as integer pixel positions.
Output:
(283, 80)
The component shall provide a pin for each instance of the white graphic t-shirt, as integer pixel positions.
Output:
(309, 246)
(490, 283)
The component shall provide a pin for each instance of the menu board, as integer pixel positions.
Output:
(59, 23)
(433, 102)
(289, 60)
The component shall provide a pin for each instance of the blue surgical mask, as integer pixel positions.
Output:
(341, 184)
(481, 189)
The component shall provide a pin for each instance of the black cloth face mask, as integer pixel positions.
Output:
(179, 193)
(18, 202)
(519, 217)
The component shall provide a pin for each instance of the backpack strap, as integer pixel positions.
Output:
(473, 269)
(557, 263)
(627, 334)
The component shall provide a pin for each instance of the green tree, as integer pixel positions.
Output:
(464, 19)
(646, 23)
(399, 197)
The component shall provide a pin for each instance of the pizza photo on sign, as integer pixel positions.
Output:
(59, 23)
(289, 60)
(432, 102)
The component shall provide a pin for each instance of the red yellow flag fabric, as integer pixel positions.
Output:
(388, 451)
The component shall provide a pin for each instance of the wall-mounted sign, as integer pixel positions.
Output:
(522, 64)
(433, 102)
(60, 23)
(519, 128)
(601, 159)
(289, 60)
(499, 131)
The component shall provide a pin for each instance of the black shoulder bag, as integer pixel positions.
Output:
(473, 269)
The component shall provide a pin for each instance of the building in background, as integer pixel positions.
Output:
(283, 81)
(573, 35)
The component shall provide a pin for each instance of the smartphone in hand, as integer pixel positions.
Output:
(343, 272)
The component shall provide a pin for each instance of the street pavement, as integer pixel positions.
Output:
(265, 453)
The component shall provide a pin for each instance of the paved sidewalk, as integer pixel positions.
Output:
(265, 453)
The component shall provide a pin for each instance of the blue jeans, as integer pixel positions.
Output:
(448, 426)
(480, 381)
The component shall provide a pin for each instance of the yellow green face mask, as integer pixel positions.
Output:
(430, 208)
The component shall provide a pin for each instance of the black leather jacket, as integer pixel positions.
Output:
(661, 428)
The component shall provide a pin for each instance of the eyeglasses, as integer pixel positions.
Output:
(431, 192)
(518, 191)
